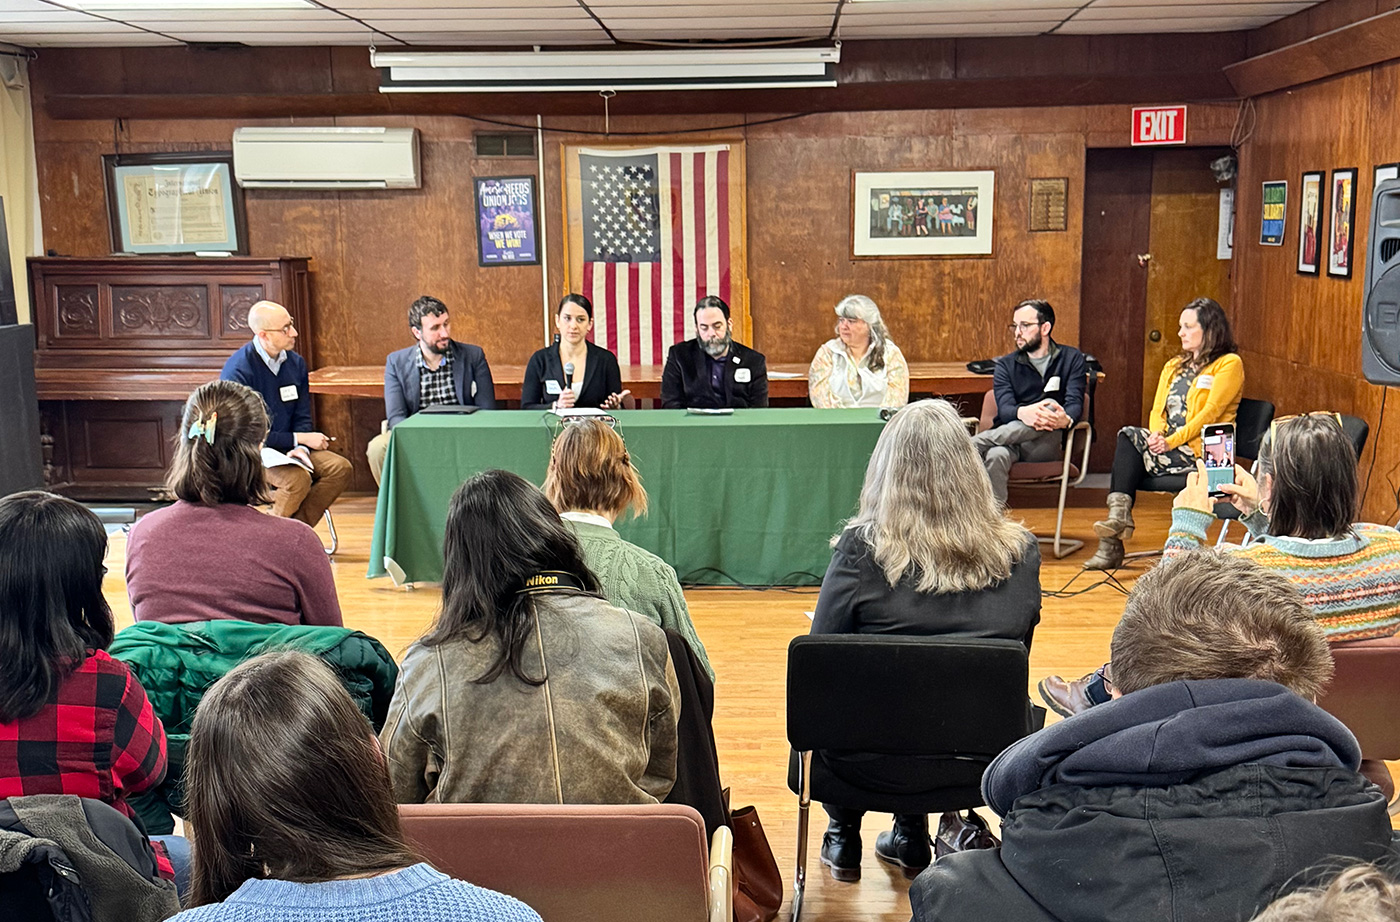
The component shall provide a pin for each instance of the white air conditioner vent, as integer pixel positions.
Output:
(326, 158)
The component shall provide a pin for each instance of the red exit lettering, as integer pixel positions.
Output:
(1159, 125)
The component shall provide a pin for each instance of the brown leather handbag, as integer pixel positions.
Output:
(758, 887)
(961, 832)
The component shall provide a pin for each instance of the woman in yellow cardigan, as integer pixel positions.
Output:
(1200, 386)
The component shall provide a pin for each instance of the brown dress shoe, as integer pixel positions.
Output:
(1064, 697)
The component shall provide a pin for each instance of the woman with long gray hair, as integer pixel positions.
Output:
(930, 552)
(860, 367)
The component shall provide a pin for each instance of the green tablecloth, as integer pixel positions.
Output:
(754, 497)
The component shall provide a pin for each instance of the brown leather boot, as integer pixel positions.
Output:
(1119, 523)
(1064, 696)
(1108, 557)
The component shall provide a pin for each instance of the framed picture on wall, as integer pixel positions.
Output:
(179, 202)
(921, 215)
(507, 219)
(1340, 228)
(1312, 194)
(1273, 215)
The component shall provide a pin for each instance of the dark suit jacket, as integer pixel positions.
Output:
(402, 388)
(686, 380)
(601, 378)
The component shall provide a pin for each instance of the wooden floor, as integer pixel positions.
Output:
(746, 634)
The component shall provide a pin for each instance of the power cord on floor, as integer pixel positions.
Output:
(1109, 579)
(688, 582)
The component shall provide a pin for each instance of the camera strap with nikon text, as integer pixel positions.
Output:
(551, 581)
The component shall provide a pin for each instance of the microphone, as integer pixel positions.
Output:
(568, 375)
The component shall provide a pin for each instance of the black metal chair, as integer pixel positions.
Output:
(925, 715)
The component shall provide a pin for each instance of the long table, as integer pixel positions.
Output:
(645, 380)
(752, 498)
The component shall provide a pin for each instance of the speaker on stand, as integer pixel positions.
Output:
(1380, 324)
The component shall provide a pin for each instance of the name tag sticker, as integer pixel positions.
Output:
(289, 393)
(552, 387)
(1053, 384)
(1204, 382)
(742, 375)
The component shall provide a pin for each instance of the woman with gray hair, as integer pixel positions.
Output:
(930, 552)
(860, 367)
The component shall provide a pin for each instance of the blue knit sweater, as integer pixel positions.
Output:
(285, 416)
(416, 894)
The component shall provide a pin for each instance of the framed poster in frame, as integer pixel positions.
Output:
(177, 202)
(1340, 229)
(920, 215)
(507, 220)
(1273, 215)
(1312, 195)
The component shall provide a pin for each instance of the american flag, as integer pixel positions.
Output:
(656, 239)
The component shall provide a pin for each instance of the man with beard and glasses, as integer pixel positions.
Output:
(1039, 391)
(437, 370)
(712, 370)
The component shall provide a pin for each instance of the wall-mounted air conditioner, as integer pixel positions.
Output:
(326, 158)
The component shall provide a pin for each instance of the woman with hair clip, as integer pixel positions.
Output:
(572, 372)
(1199, 387)
(290, 803)
(555, 695)
(592, 482)
(212, 555)
(861, 367)
(930, 552)
(72, 719)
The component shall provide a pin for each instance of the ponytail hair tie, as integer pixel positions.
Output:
(203, 427)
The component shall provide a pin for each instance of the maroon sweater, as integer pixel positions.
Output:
(188, 562)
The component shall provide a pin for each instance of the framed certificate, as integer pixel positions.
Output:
(175, 203)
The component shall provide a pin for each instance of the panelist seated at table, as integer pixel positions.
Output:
(712, 370)
(304, 490)
(572, 372)
(860, 367)
(435, 370)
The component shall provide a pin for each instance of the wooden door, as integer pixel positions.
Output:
(1183, 264)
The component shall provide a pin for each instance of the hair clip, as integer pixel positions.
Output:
(203, 427)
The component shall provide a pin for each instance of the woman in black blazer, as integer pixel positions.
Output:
(596, 380)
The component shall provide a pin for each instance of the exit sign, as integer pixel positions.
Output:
(1159, 125)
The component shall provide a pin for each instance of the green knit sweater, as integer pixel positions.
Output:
(639, 581)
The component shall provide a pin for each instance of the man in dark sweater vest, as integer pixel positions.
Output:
(269, 366)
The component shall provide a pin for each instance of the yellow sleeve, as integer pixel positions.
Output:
(1157, 419)
(896, 377)
(819, 379)
(1224, 391)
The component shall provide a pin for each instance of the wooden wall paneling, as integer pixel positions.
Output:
(1117, 217)
(1349, 47)
(1314, 20)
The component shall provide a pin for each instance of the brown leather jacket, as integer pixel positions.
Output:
(601, 729)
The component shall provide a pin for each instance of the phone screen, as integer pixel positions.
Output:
(1219, 444)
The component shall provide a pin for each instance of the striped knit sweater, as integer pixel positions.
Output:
(1352, 583)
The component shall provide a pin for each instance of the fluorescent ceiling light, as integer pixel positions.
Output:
(100, 6)
(592, 71)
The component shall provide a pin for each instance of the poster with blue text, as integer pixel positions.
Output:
(506, 218)
(1274, 213)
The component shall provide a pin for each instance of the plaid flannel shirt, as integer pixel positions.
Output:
(97, 736)
(435, 386)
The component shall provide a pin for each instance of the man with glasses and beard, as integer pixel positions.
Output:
(712, 370)
(435, 370)
(1039, 391)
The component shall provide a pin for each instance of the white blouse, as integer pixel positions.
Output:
(833, 380)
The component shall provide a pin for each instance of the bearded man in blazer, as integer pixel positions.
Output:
(712, 370)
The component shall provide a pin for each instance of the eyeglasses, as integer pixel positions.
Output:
(1105, 676)
(1321, 414)
(283, 330)
(609, 421)
(1026, 325)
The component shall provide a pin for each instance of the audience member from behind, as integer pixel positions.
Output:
(269, 366)
(211, 554)
(1039, 393)
(930, 553)
(1198, 387)
(1207, 788)
(712, 370)
(592, 482)
(1362, 893)
(861, 367)
(1300, 514)
(435, 370)
(555, 696)
(72, 719)
(295, 818)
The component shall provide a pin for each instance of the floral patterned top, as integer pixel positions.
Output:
(834, 380)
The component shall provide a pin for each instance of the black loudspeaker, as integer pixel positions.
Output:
(8, 312)
(21, 463)
(1380, 324)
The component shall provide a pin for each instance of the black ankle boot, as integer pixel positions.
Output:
(907, 845)
(841, 850)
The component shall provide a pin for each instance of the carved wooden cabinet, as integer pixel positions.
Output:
(122, 341)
